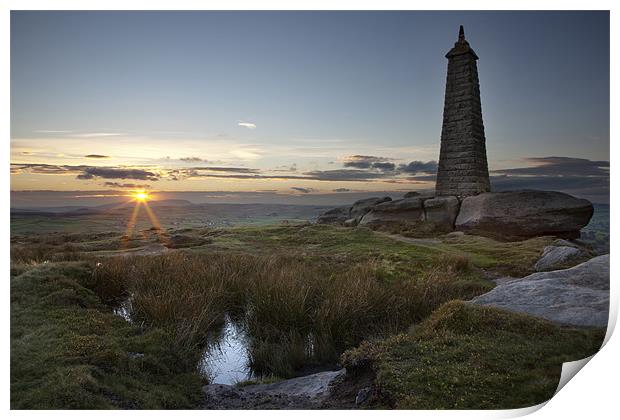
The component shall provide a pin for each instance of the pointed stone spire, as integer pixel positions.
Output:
(462, 169)
(461, 46)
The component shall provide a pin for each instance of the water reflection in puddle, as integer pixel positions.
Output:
(124, 309)
(226, 361)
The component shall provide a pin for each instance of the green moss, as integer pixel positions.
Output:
(470, 357)
(69, 351)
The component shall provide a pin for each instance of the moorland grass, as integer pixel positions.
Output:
(303, 293)
(69, 351)
(470, 357)
(515, 258)
(296, 309)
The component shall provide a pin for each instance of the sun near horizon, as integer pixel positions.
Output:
(141, 196)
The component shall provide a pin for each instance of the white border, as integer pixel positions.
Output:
(590, 395)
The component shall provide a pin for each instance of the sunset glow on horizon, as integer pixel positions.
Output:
(356, 109)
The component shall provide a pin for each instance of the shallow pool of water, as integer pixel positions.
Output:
(124, 310)
(226, 360)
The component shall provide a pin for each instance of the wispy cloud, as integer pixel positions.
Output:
(119, 185)
(191, 159)
(418, 166)
(303, 190)
(118, 173)
(97, 156)
(560, 166)
(98, 134)
(246, 124)
(53, 131)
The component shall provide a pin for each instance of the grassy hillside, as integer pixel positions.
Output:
(304, 294)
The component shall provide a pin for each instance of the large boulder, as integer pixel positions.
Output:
(523, 214)
(335, 216)
(555, 257)
(361, 207)
(575, 296)
(406, 211)
(442, 211)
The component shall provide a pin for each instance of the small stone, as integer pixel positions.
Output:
(363, 395)
(555, 257)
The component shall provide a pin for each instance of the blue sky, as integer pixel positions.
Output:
(295, 97)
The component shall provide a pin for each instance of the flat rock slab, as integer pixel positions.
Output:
(297, 393)
(575, 296)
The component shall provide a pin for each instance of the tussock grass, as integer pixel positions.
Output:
(295, 309)
(41, 252)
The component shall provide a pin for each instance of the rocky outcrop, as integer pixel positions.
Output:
(298, 393)
(361, 207)
(511, 215)
(335, 216)
(555, 257)
(350, 216)
(407, 210)
(523, 214)
(442, 211)
(574, 296)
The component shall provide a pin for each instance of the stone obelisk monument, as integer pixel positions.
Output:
(462, 169)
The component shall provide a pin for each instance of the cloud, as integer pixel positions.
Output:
(576, 176)
(418, 166)
(53, 131)
(367, 162)
(46, 169)
(384, 166)
(98, 134)
(97, 157)
(117, 173)
(119, 185)
(303, 190)
(246, 124)
(226, 169)
(346, 175)
(190, 159)
(286, 168)
(560, 166)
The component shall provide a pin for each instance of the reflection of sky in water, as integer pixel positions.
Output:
(124, 309)
(226, 362)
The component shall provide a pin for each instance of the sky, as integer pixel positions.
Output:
(300, 103)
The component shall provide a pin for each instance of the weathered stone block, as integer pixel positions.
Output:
(442, 211)
(361, 207)
(407, 210)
